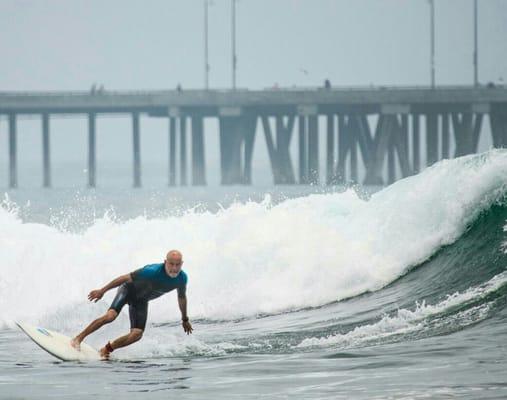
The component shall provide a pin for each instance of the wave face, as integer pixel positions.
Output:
(421, 257)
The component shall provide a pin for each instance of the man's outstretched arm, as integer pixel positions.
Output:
(182, 303)
(97, 294)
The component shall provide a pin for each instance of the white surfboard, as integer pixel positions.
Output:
(58, 345)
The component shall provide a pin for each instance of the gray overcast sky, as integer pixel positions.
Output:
(69, 44)
(156, 44)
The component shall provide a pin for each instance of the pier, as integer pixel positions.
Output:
(384, 128)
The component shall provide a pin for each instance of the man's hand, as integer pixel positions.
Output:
(187, 327)
(95, 295)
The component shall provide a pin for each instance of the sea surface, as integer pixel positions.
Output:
(294, 292)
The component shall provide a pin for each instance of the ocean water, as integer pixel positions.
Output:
(294, 292)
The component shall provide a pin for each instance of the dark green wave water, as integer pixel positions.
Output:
(464, 269)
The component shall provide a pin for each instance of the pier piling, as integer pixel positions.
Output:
(172, 151)
(136, 146)
(92, 159)
(198, 163)
(13, 152)
(46, 151)
(183, 150)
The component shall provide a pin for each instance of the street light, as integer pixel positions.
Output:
(206, 62)
(234, 57)
(476, 47)
(432, 33)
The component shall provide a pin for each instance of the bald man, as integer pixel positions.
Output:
(136, 289)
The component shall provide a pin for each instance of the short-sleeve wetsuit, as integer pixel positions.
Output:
(147, 284)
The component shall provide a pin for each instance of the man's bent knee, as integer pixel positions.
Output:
(136, 334)
(110, 315)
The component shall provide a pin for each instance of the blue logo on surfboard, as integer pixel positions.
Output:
(44, 332)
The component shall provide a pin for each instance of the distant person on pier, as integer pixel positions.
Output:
(327, 84)
(136, 289)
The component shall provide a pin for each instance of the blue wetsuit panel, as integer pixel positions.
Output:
(152, 281)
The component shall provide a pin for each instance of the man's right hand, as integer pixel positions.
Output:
(95, 295)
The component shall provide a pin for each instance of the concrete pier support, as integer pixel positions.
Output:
(379, 147)
(178, 150)
(136, 146)
(92, 159)
(330, 150)
(401, 145)
(13, 152)
(444, 118)
(404, 138)
(248, 146)
(308, 147)
(237, 136)
(313, 149)
(350, 135)
(354, 176)
(345, 140)
(364, 139)
(498, 121)
(398, 145)
(46, 161)
(353, 134)
(476, 133)
(198, 162)
(374, 166)
(354, 127)
(416, 144)
(183, 150)
(303, 149)
(284, 130)
(279, 155)
(172, 151)
(391, 137)
(431, 139)
(391, 162)
(467, 128)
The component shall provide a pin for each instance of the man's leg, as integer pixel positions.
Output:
(133, 336)
(108, 317)
(138, 313)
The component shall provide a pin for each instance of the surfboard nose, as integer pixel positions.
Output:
(58, 345)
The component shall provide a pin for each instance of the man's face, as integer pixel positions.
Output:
(173, 266)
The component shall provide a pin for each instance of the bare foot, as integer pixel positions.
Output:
(104, 354)
(76, 343)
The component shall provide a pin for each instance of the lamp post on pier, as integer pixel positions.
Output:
(206, 60)
(476, 47)
(233, 34)
(432, 42)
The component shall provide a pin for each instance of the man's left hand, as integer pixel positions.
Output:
(187, 327)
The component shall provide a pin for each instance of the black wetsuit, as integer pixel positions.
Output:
(147, 284)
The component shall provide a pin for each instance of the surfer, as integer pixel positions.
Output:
(136, 289)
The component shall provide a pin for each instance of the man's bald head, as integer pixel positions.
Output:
(173, 263)
(174, 255)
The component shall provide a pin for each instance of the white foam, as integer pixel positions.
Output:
(252, 258)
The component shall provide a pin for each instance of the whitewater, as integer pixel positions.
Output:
(397, 294)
